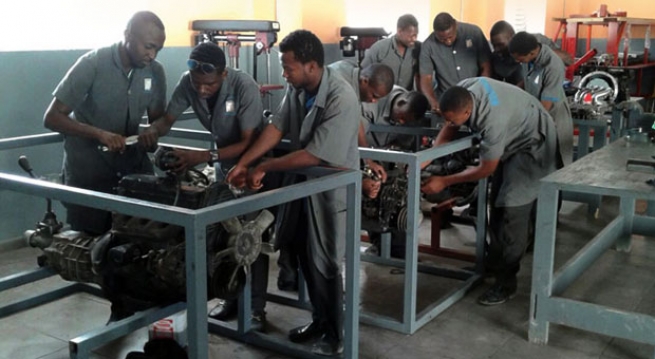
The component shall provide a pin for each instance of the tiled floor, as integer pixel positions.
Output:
(466, 331)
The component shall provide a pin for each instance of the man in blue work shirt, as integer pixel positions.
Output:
(453, 52)
(319, 114)
(518, 146)
(101, 101)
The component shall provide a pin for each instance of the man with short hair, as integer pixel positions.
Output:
(518, 145)
(505, 68)
(227, 102)
(101, 101)
(453, 52)
(544, 79)
(399, 107)
(319, 115)
(371, 83)
(400, 52)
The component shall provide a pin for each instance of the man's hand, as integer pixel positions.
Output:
(149, 137)
(378, 170)
(434, 184)
(255, 178)
(113, 142)
(371, 187)
(237, 176)
(187, 159)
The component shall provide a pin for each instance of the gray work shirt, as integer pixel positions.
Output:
(544, 80)
(328, 131)
(461, 60)
(515, 129)
(238, 107)
(102, 94)
(380, 114)
(404, 66)
(505, 68)
(349, 71)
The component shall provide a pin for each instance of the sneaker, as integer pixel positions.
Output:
(497, 294)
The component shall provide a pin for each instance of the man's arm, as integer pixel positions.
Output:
(57, 119)
(446, 135)
(425, 84)
(362, 141)
(485, 69)
(270, 137)
(436, 184)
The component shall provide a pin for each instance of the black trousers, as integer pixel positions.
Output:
(259, 287)
(509, 229)
(325, 294)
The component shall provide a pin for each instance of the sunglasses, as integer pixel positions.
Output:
(195, 65)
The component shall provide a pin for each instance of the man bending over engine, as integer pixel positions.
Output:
(228, 104)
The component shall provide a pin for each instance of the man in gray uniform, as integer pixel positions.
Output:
(518, 144)
(319, 115)
(505, 68)
(228, 104)
(453, 52)
(371, 83)
(101, 101)
(226, 101)
(399, 52)
(399, 107)
(544, 79)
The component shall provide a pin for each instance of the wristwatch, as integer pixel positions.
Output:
(214, 157)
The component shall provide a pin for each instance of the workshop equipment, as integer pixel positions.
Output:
(356, 40)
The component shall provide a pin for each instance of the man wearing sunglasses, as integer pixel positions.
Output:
(320, 116)
(226, 101)
(100, 102)
(228, 104)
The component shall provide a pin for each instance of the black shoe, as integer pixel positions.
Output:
(287, 285)
(328, 346)
(224, 310)
(258, 321)
(497, 294)
(306, 332)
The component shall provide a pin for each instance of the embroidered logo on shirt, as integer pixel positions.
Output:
(536, 79)
(147, 84)
(229, 106)
(469, 43)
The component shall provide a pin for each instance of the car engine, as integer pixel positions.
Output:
(140, 263)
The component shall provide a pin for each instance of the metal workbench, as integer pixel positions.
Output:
(194, 223)
(411, 320)
(602, 172)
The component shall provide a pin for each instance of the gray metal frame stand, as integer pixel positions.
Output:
(602, 172)
(411, 320)
(195, 223)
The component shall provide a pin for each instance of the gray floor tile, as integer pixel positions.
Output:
(519, 348)
(626, 349)
(465, 331)
(20, 341)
